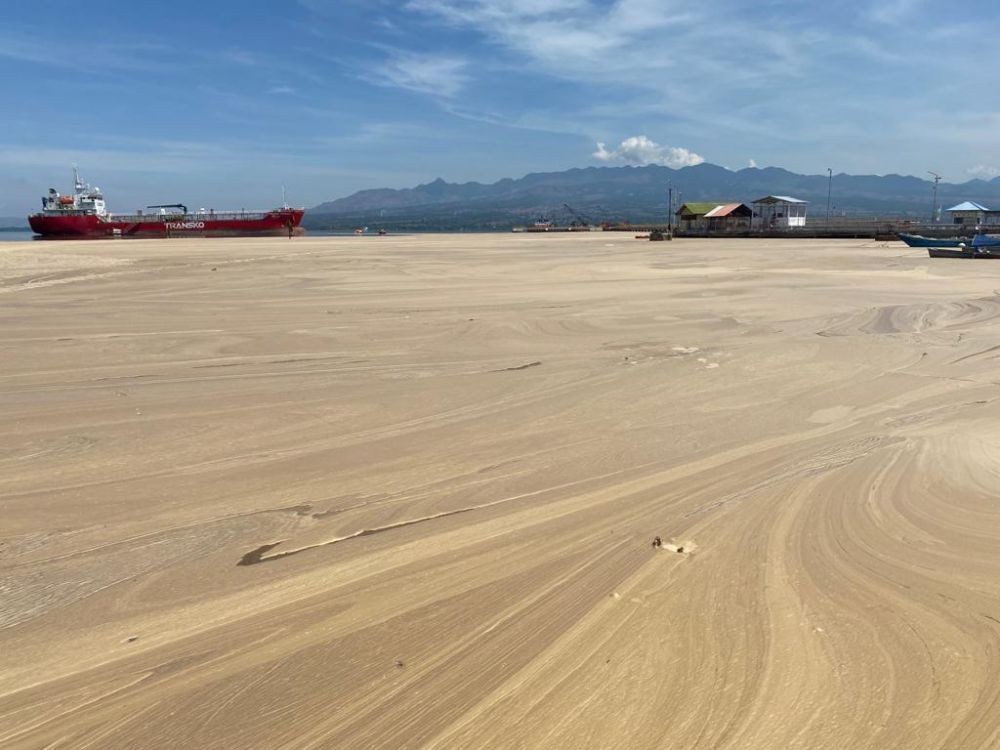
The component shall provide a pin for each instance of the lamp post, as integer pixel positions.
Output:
(937, 179)
(829, 191)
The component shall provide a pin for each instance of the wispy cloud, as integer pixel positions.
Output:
(641, 150)
(241, 57)
(776, 76)
(571, 38)
(139, 56)
(684, 58)
(437, 75)
(892, 11)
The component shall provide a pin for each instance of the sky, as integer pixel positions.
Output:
(219, 103)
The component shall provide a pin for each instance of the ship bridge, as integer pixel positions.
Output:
(85, 199)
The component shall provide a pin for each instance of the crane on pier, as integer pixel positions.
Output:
(579, 220)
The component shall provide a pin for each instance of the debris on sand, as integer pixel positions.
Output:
(399, 664)
(681, 547)
(257, 555)
(657, 542)
(515, 368)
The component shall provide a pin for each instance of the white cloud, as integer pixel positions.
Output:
(427, 74)
(984, 171)
(641, 150)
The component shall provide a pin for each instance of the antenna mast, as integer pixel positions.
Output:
(937, 179)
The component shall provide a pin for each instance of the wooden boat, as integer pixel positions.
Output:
(964, 252)
(950, 252)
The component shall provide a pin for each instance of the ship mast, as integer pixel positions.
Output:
(77, 183)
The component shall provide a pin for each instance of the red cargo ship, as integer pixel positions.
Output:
(84, 215)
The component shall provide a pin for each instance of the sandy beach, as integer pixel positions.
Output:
(401, 492)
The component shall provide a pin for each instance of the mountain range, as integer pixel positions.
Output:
(640, 194)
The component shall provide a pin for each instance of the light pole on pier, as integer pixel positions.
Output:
(937, 179)
(829, 191)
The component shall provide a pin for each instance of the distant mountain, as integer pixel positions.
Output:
(637, 194)
(13, 222)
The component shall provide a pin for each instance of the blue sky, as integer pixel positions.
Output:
(219, 103)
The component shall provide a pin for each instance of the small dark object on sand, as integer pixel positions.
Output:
(214, 268)
(657, 542)
(399, 664)
(680, 550)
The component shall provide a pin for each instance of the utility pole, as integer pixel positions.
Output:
(937, 179)
(670, 208)
(829, 191)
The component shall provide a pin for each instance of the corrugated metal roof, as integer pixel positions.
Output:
(696, 209)
(724, 210)
(779, 199)
(967, 206)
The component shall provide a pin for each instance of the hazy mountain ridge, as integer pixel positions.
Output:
(641, 192)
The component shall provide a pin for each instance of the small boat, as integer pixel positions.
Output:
(950, 252)
(976, 253)
(987, 241)
(917, 240)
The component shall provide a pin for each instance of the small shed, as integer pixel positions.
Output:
(729, 217)
(692, 215)
(968, 214)
(780, 212)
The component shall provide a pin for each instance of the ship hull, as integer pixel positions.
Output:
(89, 226)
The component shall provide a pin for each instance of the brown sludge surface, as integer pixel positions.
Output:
(401, 492)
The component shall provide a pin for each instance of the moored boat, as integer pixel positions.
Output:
(917, 240)
(980, 253)
(84, 215)
(986, 242)
(950, 252)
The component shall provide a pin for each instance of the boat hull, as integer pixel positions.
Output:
(989, 242)
(90, 226)
(947, 252)
(916, 240)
